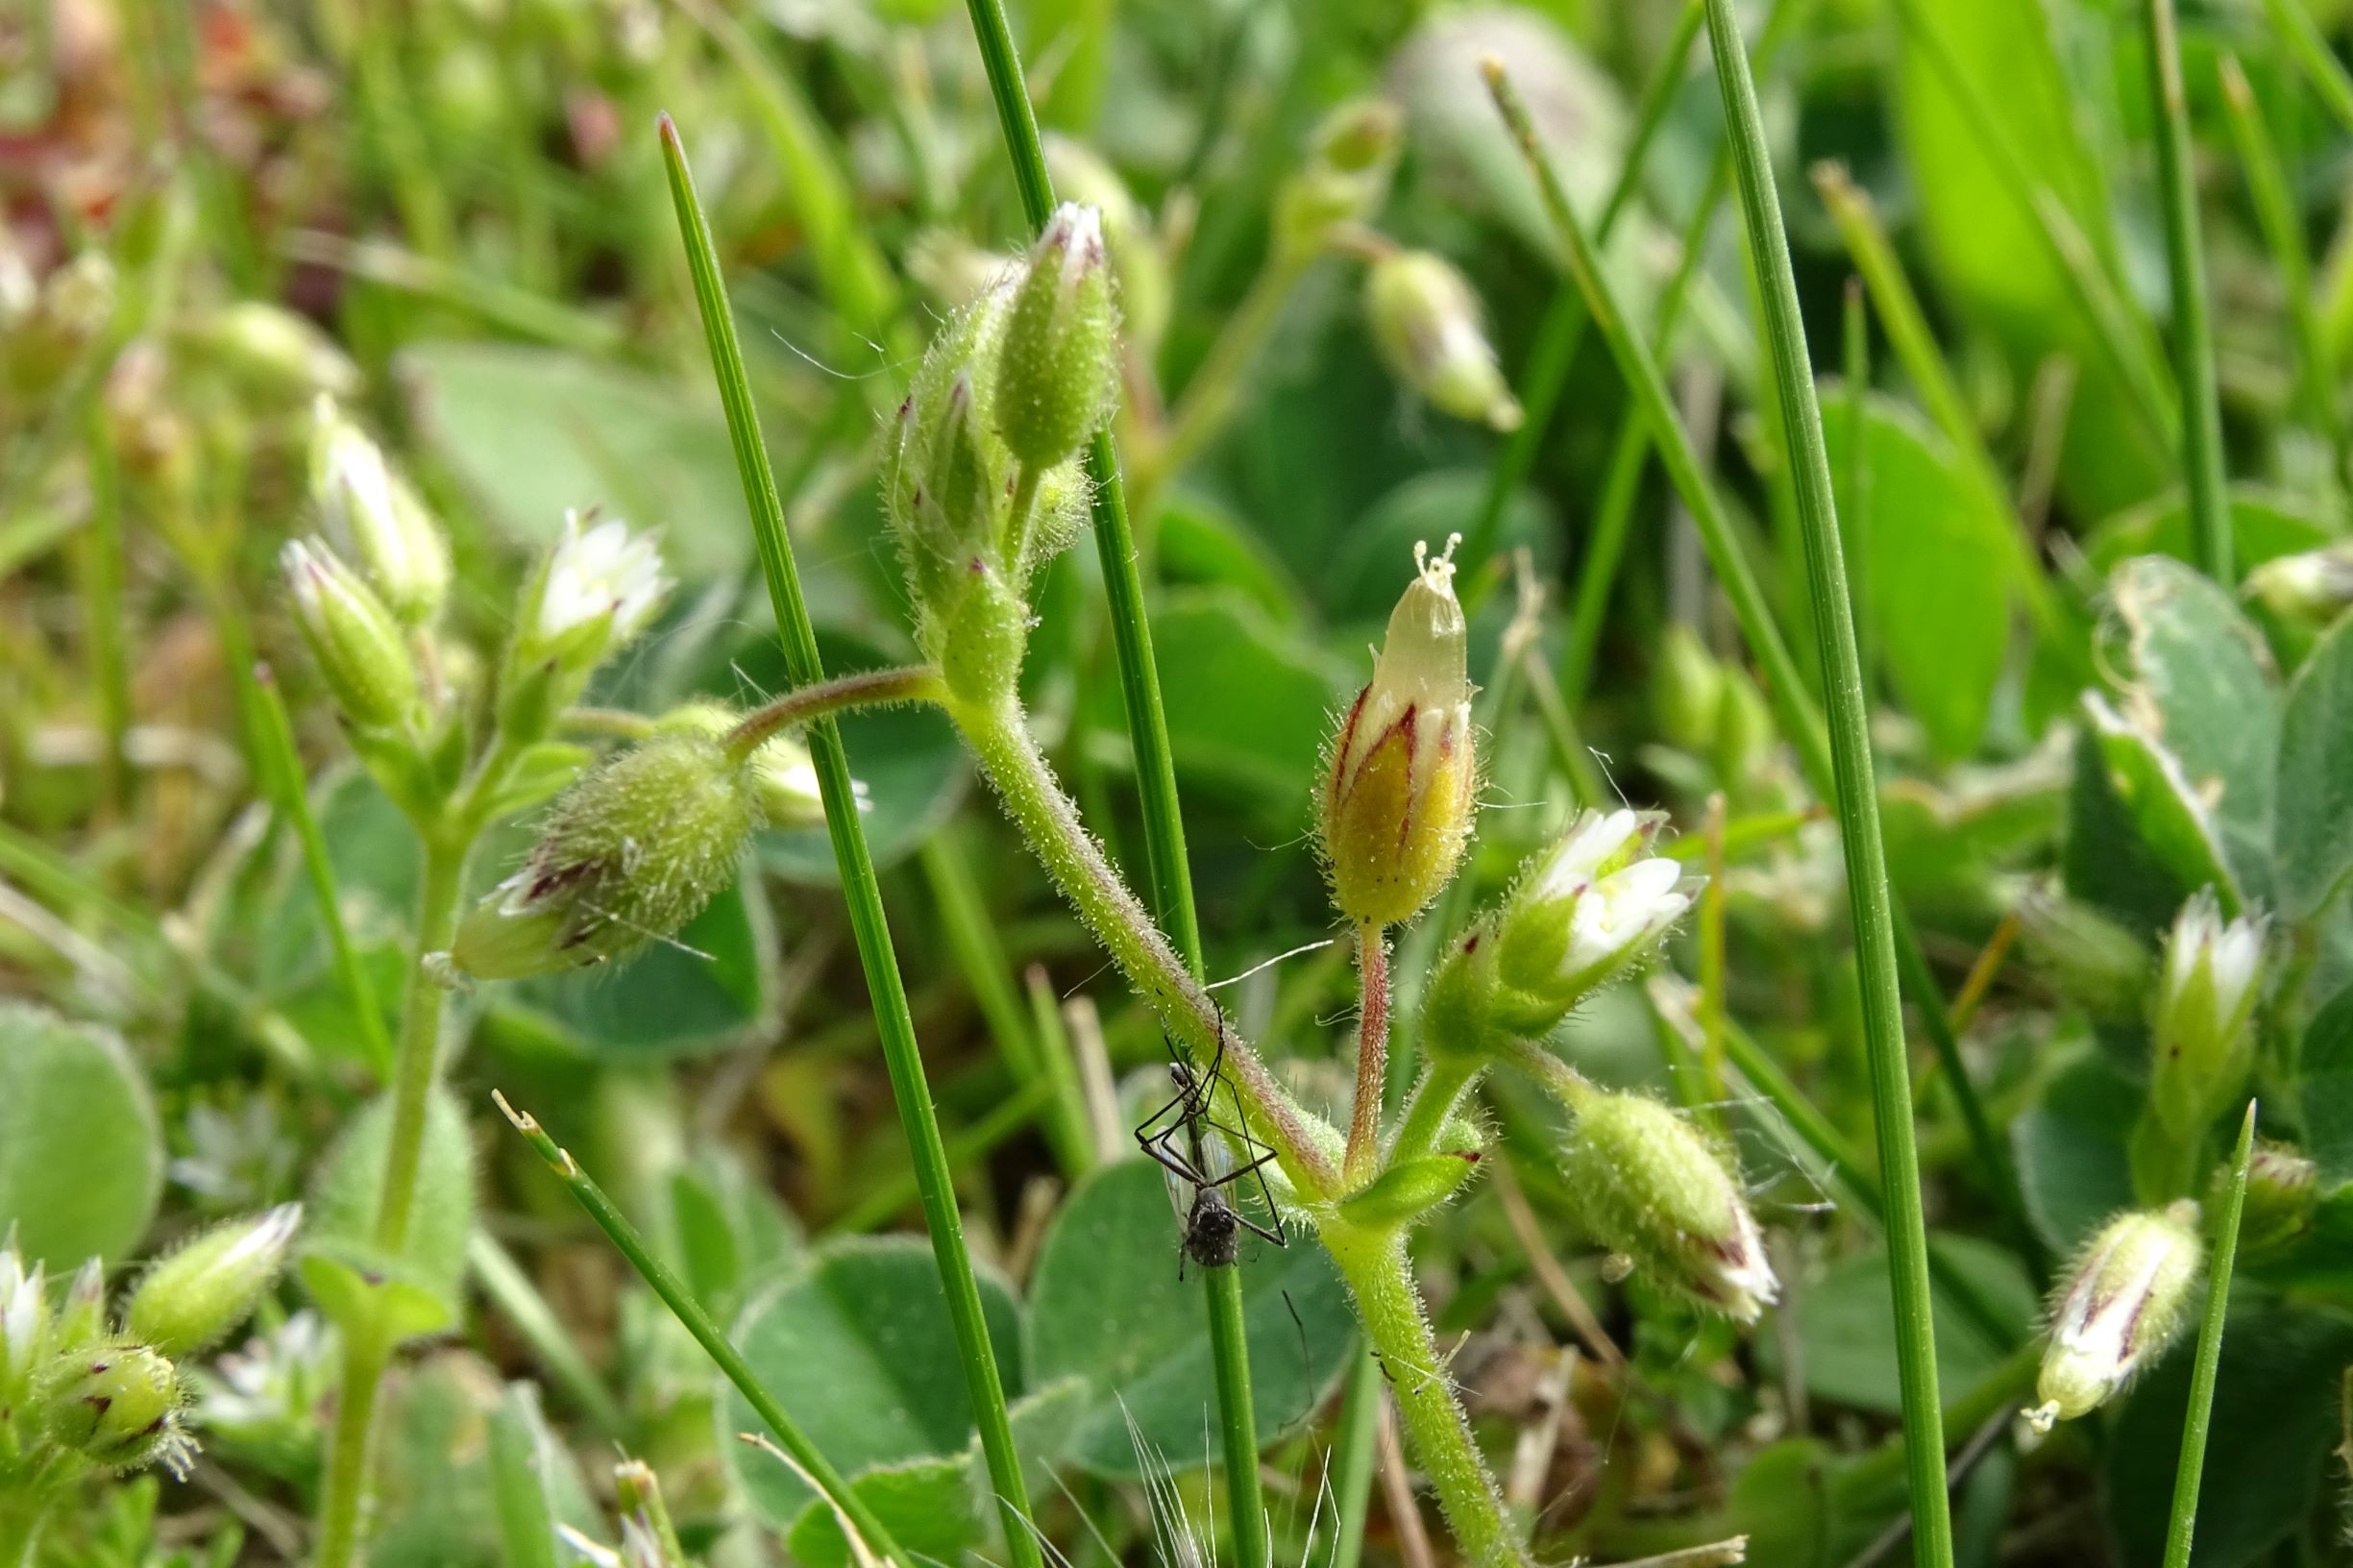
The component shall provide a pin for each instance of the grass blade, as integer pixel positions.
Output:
(2201, 424)
(859, 888)
(707, 1333)
(2305, 42)
(2182, 1525)
(1164, 822)
(1856, 794)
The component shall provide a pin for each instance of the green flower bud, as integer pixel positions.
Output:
(1427, 321)
(943, 436)
(274, 349)
(1401, 776)
(2094, 961)
(1345, 179)
(2124, 1301)
(1593, 905)
(1056, 369)
(1654, 1188)
(117, 1405)
(1686, 689)
(189, 1300)
(2310, 589)
(2283, 1190)
(1406, 1191)
(366, 502)
(592, 593)
(2206, 993)
(1459, 1022)
(631, 852)
(358, 644)
(82, 1316)
(782, 771)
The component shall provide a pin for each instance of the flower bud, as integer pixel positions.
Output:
(1595, 904)
(1055, 370)
(1401, 777)
(2283, 1190)
(117, 1405)
(24, 1321)
(1407, 1190)
(2205, 994)
(356, 643)
(2094, 961)
(631, 852)
(365, 502)
(1427, 321)
(2310, 589)
(82, 1316)
(1459, 1002)
(2124, 1301)
(592, 595)
(1653, 1189)
(1687, 690)
(189, 1300)
(277, 350)
(781, 768)
(1137, 260)
(1345, 178)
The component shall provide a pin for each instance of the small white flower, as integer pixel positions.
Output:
(23, 1313)
(2206, 994)
(604, 570)
(2230, 950)
(1624, 912)
(1597, 902)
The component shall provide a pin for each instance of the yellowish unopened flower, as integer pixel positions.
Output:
(1402, 775)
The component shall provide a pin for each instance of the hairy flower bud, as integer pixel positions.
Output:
(190, 1299)
(782, 771)
(630, 853)
(117, 1405)
(1427, 321)
(594, 592)
(1653, 1188)
(1055, 370)
(2205, 992)
(364, 502)
(2283, 1190)
(1136, 258)
(1592, 906)
(1401, 777)
(358, 644)
(2125, 1299)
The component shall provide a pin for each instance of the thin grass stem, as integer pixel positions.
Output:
(697, 1322)
(1856, 795)
(2301, 32)
(2181, 1526)
(2193, 362)
(863, 892)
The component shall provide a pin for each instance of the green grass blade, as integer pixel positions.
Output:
(1164, 822)
(2305, 42)
(1856, 795)
(2182, 1525)
(1562, 330)
(859, 888)
(2201, 425)
(707, 1333)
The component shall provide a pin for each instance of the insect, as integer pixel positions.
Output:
(1212, 1226)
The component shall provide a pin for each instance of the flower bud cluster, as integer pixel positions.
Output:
(1345, 178)
(1400, 775)
(630, 853)
(73, 1388)
(2127, 1299)
(1654, 1189)
(2207, 989)
(1427, 324)
(981, 478)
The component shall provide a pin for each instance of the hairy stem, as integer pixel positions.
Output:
(1443, 1085)
(867, 689)
(1050, 826)
(1381, 1277)
(1372, 1054)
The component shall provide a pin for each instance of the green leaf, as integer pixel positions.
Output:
(731, 1231)
(520, 1460)
(1105, 1306)
(2105, 862)
(2169, 816)
(80, 1151)
(2266, 524)
(1247, 700)
(1203, 545)
(1375, 557)
(2194, 677)
(2314, 830)
(927, 1505)
(2275, 1415)
(1939, 581)
(2072, 1150)
(2326, 1060)
(343, 1211)
(1848, 1340)
(532, 432)
(1784, 1503)
(857, 1347)
(437, 1500)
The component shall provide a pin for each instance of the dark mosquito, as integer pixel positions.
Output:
(1212, 1225)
